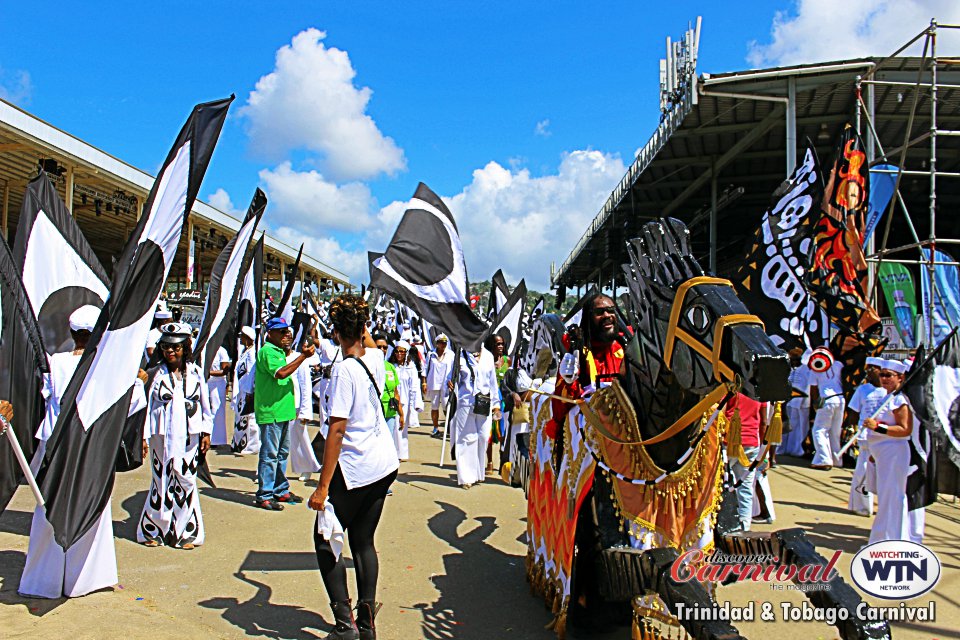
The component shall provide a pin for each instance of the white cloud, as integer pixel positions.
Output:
(543, 128)
(15, 86)
(512, 220)
(306, 200)
(220, 199)
(309, 102)
(823, 30)
(329, 251)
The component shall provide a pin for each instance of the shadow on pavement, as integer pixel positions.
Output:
(11, 568)
(127, 529)
(258, 617)
(483, 590)
(16, 522)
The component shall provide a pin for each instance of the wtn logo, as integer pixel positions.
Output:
(895, 569)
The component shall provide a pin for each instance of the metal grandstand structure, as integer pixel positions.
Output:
(715, 157)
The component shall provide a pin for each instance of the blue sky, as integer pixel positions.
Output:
(523, 114)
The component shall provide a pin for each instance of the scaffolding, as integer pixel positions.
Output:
(926, 86)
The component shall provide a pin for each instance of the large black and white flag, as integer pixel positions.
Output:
(59, 269)
(250, 306)
(22, 365)
(499, 292)
(285, 308)
(77, 472)
(424, 268)
(508, 323)
(225, 285)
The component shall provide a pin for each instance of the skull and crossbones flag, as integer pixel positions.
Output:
(771, 279)
(76, 475)
(424, 268)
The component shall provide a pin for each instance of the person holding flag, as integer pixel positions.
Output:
(91, 563)
(177, 433)
(246, 433)
(439, 366)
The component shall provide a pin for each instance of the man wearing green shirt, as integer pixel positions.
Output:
(274, 409)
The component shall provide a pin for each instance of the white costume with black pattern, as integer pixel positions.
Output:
(246, 431)
(178, 415)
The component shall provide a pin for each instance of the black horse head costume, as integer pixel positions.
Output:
(639, 460)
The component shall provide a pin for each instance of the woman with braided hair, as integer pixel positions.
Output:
(359, 465)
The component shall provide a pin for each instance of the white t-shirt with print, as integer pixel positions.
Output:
(368, 452)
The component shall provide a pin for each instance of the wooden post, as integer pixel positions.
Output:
(68, 189)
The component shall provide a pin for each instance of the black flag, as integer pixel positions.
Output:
(285, 307)
(225, 285)
(250, 307)
(22, 365)
(424, 267)
(77, 472)
(508, 322)
(499, 292)
(60, 271)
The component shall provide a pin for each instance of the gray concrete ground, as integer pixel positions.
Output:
(452, 563)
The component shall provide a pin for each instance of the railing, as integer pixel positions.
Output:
(669, 123)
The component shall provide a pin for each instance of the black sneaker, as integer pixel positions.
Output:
(269, 505)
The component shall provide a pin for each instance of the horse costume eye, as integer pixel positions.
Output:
(699, 318)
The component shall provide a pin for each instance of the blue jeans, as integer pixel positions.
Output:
(747, 488)
(274, 448)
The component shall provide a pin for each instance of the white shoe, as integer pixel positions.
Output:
(304, 477)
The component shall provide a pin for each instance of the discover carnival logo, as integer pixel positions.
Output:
(895, 569)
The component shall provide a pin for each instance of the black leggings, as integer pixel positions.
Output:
(358, 511)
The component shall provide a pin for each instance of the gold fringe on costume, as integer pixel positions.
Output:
(775, 430)
(734, 440)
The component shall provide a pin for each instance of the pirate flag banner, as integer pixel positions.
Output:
(76, 475)
(250, 307)
(838, 273)
(22, 365)
(60, 271)
(225, 285)
(508, 323)
(770, 280)
(499, 292)
(424, 268)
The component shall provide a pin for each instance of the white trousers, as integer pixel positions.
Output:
(893, 466)
(302, 458)
(89, 565)
(401, 437)
(470, 433)
(799, 417)
(826, 431)
(861, 500)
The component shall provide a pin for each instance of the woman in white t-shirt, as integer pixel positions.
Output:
(889, 441)
(359, 464)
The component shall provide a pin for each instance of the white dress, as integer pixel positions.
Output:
(178, 415)
(470, 430)
(217, 387)
(246, 432)
(411, 399)
(302, 458)
(91, 563)
(892, 458)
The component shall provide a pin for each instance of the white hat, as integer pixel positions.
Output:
(442, 338)
(875, 362)
(163, 315)
(403, 344)
(894, 365)
(249, 332)
(84, 318)
(175, 332)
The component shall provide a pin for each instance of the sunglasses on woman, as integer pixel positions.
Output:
(887, 374)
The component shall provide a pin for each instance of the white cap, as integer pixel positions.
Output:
(84, 318)
(163, 315)
(249, 332)
(403, 344)
(875, 362)
(442, 338)
(894, 365)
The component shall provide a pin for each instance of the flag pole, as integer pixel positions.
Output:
(838, 456)
(22, 459)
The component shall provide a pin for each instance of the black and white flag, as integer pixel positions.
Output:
(508, 323)
(22, 365)
(499, 292)
(59, 269)
(250, 306)
(225, 285)
(424, 268)
(285, 307)
(76, 475)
